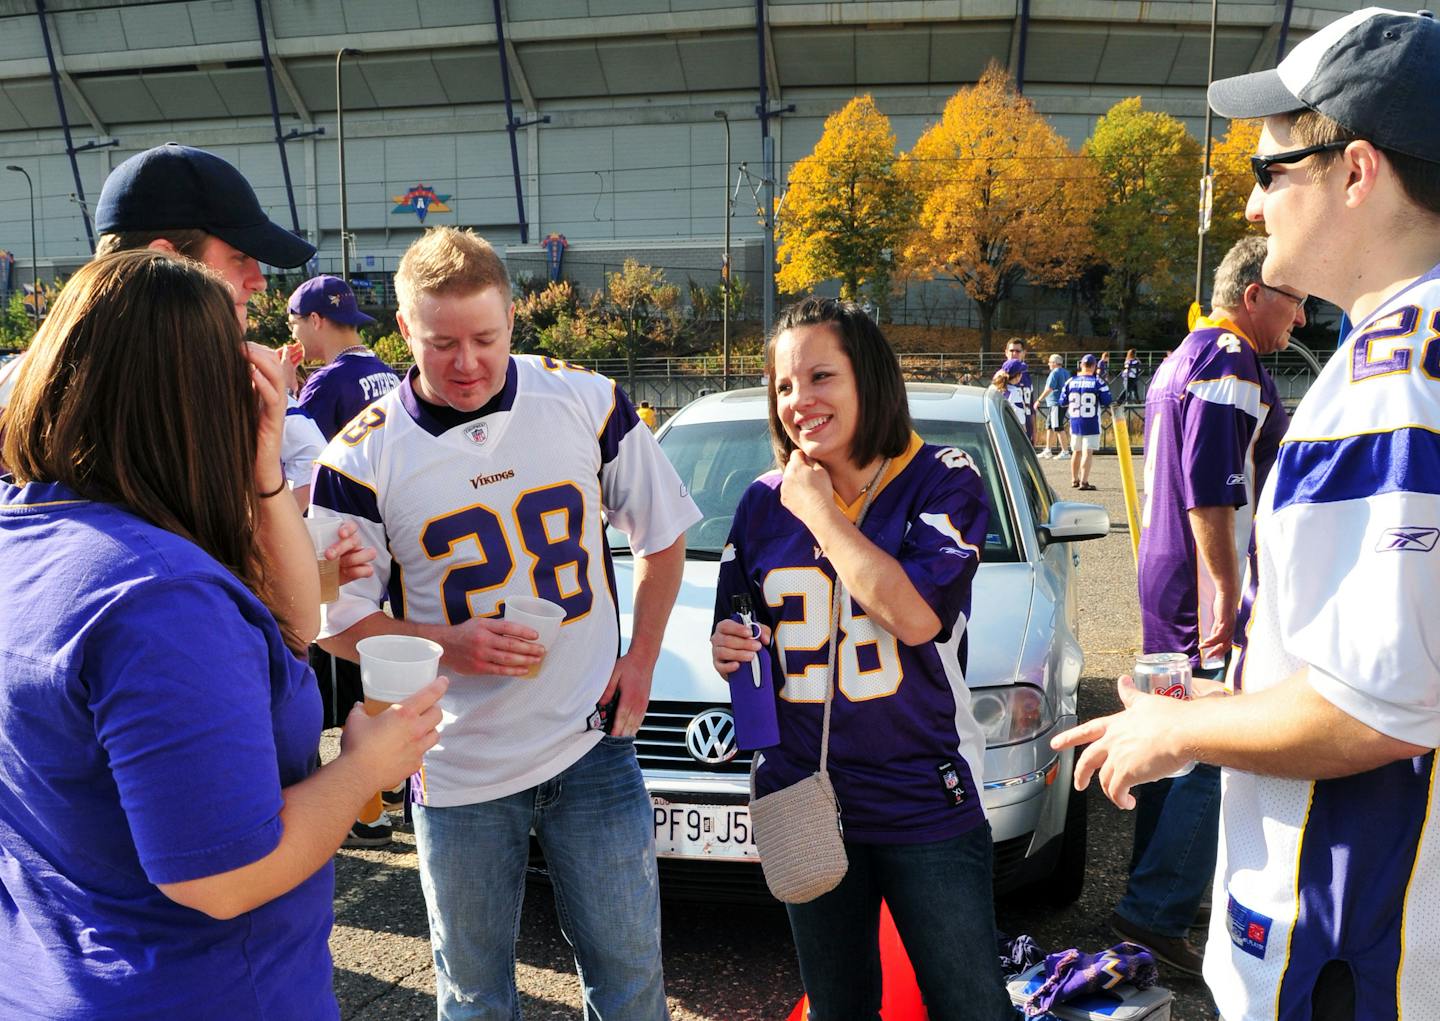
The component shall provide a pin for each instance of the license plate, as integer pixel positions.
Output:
(703, 831)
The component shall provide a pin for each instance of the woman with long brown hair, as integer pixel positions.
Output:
(166, 835)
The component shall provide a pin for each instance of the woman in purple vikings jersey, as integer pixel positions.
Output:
(167, 835)
(905, 751)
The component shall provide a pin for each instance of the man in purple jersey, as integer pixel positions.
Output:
(1083, 396)
(325, 322)
(1214, 422)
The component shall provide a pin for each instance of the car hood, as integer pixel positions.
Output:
(1001, 611)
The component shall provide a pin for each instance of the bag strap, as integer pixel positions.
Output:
(838, 593)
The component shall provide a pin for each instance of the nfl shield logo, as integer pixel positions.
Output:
(478, 433)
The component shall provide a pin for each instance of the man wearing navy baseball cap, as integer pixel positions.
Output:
(193, 203)
(1327, 887)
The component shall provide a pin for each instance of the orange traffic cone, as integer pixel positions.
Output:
(901, 998)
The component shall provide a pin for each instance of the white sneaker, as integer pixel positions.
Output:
(1062, 455)
(1045, 454)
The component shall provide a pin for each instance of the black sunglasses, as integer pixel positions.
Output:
(1261, 164)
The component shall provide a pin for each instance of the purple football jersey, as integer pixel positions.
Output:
(1213, 425)
(1083, 398)
(334, 394)
(905, 750)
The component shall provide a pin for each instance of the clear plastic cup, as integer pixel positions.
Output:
(324, 533)
(542, 615)
(394, 667)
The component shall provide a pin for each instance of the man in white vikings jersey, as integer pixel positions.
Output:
(483, 477)
(1327, 895)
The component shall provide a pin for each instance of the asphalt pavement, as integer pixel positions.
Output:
(725, 962)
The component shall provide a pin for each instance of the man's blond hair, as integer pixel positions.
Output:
(447, 260)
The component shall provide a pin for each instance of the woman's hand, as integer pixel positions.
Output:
(731, 645)
(806, 490)
(354, 558)
(268, 383)
(391, 745)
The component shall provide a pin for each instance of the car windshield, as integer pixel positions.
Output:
(718, 460)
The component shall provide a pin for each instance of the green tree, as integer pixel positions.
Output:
(645, 307)
(1148, 165)
(1001, 198)
(17, 325)
(846, 207)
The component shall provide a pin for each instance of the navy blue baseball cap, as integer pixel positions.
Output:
(1375, 71)
(175, 187)
(1089, 360)
(330, 297)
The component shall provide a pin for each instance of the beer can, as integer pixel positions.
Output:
(1163, 673)
(1167, 674)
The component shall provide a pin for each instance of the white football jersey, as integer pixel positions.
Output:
(1346, 583)
(467, 509)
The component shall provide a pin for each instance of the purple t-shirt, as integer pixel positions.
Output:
(905, 750)
(1083, 398)
(149, 716)
(334, 394)
(1213, 423)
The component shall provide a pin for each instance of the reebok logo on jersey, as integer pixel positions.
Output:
(1235, 480)
(1409, 537)
(485, 480)
(1249, 930)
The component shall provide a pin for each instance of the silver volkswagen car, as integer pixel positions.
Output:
(1025, 659)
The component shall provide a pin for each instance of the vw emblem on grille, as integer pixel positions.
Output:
(710, 737)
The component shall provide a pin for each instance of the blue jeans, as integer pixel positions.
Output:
(1172, 867)
(596, 827)
(940, 897)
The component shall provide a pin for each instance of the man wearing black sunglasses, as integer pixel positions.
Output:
(1327, 890)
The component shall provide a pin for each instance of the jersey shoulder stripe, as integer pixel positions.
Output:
(344, 494)
(1355, 467)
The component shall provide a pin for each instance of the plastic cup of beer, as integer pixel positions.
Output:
(394, 667)
(324, 533)
(542, 615)
(1166, 674)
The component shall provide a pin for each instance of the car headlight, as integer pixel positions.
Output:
(1012, 714)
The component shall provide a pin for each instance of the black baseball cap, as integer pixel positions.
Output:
(1376, 72)
(175, 187)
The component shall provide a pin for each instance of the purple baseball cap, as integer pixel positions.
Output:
(1089, 360)
(330, 297)
(1013, 366)
(175, 187)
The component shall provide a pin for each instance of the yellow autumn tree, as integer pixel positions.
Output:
(845, 207)
(1230, 163)
(1145, 230)
(1000, 198)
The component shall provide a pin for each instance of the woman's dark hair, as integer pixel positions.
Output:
(883, 425)
(136, 392)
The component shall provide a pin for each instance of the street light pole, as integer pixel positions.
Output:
(1206, 185)
(725, 267)
(34, 255)
(340, 136)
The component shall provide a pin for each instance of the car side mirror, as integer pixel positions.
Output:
(1075, 522)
